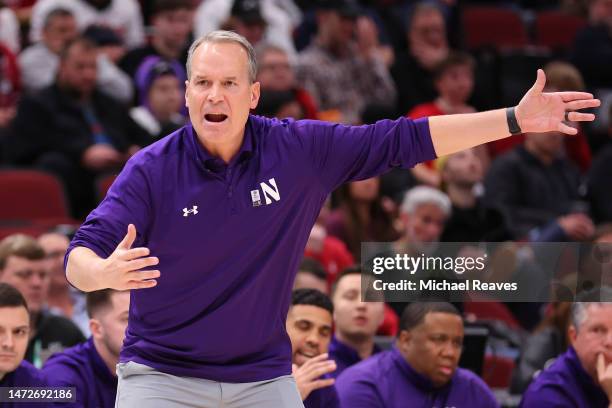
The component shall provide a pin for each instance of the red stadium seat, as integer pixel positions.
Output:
(493, 27)
(29, 195)
(557, 30)
(497, 371)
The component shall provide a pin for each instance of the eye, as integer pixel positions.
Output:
(229, 83)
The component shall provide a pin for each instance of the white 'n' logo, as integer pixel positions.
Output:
(270, 192)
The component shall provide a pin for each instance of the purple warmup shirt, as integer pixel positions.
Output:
(386, 380)
(345, 356)
(26, 375)
(565, 384)
(82, 367)
(230, 237)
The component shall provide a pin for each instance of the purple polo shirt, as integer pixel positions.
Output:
(25, 375)
(323, 397)
(82, 367)
(345, 356)
(386, 380)
(230, 237)
(565, 384)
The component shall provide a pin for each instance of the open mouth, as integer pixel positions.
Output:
(307, 355)
(215, 117)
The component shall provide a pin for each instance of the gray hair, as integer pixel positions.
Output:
(223, 36)
(594, 297)
(417, 196)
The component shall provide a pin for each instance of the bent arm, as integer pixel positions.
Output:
(80, 269)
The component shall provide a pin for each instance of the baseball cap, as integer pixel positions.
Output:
(249, 11)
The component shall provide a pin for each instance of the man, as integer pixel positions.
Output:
(23, 265)
(421, 370)
(309, 326)
(14, 331)
(74, 130)
(225, 207)
(90, 367)
(470, 220)
(338, 75)
(356, 322)
(582, 376)
(63, 298)
(171, 21)
(539, 191)
(311, 275)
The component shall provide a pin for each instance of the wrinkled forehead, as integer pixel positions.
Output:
(220, 59)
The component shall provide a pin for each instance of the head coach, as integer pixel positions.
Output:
(218, 213)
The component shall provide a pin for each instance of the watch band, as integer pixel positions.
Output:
(513, 125)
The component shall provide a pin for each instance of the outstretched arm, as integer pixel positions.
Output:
(538, 112)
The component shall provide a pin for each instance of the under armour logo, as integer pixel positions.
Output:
(194, 211)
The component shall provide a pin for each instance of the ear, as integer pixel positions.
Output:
(97, 331)
(186, 92)
(255, 93)
(572, 334)
(404, 339)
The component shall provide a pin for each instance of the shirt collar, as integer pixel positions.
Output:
(212, 162)
(346, 353)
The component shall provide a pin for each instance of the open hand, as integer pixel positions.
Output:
(540, 111)
(308, 376)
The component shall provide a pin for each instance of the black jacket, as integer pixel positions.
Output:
(530, 193)
(53, 121)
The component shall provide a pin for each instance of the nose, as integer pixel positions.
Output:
(7, 342)
(214, 94)
(313, 339)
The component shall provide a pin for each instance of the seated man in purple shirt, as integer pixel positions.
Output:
(309, 326)
(90, 367)
(356, 322)
(582, 376)
(225, 206)
(421, 369)
(14, 331)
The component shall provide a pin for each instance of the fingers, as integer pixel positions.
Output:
(134, 253)
(316, 359)
(601, 365)
(582, 104)
(580, 117)
(129, 238)
(540, 82)
(327, 382)
(573, 96)
(141, 263)
(140, 284)
(318, 369)
(568, 130)
(143, 275)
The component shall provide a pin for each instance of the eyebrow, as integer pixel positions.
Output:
(231, 78)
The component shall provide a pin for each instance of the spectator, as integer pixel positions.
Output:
(422, 367)
(39, 62)
(9, 29)
(275, 73)
(23, 265)
(592, 52)
(160, 88)
(539, 191)
(471, 220)
(123, 16)
(73, 130)
(600, 194)
(172, 22)
(279, 18)
(309, 326)
(10, 89)
(90, 367)
(279, 104)
(453, 79)
(63, 298)
(548, 341)
(361, 216)
(311, 275)
(580, 377)
(14, 331)
(427, 47)
(355, 321)
(342, 77)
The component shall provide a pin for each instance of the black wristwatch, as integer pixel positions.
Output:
(513, 125)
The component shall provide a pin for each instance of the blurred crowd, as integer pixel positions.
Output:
(85, 84)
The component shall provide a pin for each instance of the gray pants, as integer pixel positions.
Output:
(144, 387)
